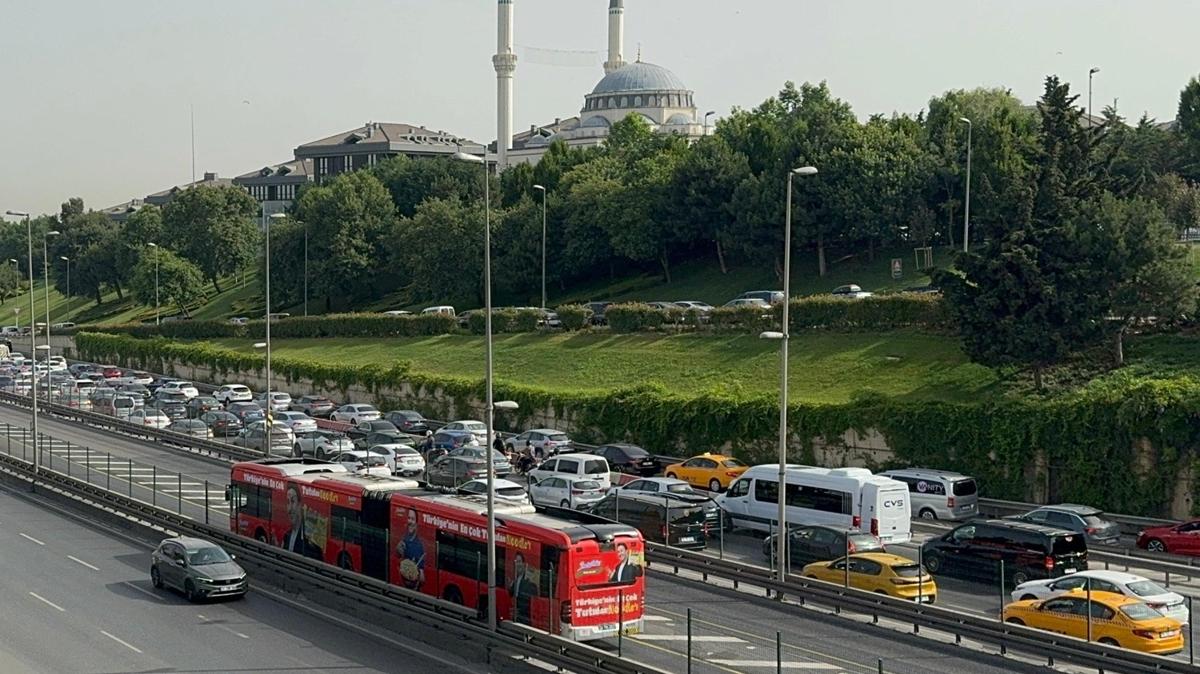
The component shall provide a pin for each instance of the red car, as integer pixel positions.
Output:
(111, 372)
(1177, 539)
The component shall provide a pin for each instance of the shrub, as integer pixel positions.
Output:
(633, 317)
(742, 319)
(878, 312)
(573, 316)
(526, 320)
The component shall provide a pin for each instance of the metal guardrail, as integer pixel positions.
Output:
(1025, 640)
(511, 638)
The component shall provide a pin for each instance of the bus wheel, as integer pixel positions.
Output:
(260, 536)
(345, 562)
(453, 595)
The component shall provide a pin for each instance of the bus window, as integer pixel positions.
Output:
(253, 500)
(465, 557)
(547, 570)
(344, 525)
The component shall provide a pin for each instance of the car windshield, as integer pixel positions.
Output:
(586, 484)
(907, 570)
(557, 437)
(733, 463)
(213, 555)
(1140, 611)
(680, 489)
(965, 488)
(635, 452)
(865, 542)
(595, 467)
(474, 426)
(1146, 588)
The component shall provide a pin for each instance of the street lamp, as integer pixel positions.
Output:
(781, 530)
(1091, 72)
(157, 319)
(46, 278)
(32, 338)
(542, 189)
(708, 114)
(491, 404)
(66, 259)
(306, 269)
(267, 344)
(967, 199)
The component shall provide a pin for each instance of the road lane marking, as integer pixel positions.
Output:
(657, 619)
(27, 536)
(672, 652)
(143, 590)
(716, 639)
(224, 627)
(771, 663)
(46, 601)
(121, 641)
(80, 561)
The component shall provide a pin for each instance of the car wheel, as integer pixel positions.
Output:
(453, 595)
(1155, 545)
(189, 591)
(714, 485)
(933, 563)
(565, 504)
(928, 514)
(155, 578)
(1109, 641)
(1015, 621)
(260, 536)
(1027, 597)
(671, 476)
(1020, 577)
(296, 452)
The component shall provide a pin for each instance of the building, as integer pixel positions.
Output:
(374, 142)
(164, 197)
(121, 212)
(655, 93)
(279, 182)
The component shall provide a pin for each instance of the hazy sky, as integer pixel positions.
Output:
(94, 96)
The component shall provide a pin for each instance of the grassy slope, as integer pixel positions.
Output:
(824, 367)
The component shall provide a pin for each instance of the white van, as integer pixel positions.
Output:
(445, 310)
(587, 466)
(939, 494)
(847, 498)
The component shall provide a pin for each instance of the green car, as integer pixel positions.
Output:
(199, 569)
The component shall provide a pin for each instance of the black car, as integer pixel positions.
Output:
(451, 471)
(201, 404)
(366, 428)
(660, 520)
(629, 459)
(381, 438)
(597, 316)
(810, 544)
(245, 411)
(1028, 551)
(223, 424)
(174, 409)
(409, 421)
(135, 391)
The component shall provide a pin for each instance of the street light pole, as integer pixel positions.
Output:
(46, 282)
(32, 340)
(306, 269)
(1091, 73)
(542, 189)
(267, 398)
(66, 259)
(708, 114)
(157, 319)
(967, 198)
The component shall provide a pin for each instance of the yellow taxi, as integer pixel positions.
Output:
(1117, 620)
(714, 472)
(880, 572)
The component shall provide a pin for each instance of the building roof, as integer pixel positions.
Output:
(295, 167)
(123, 209)
(209, 179)
(387, 132)
(639, 76)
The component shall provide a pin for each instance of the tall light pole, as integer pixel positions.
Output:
(46, 281)
(267, 397)
(66, 259)
(32, 339)
(1091, 73)
(306, 269)
(542, 189)
(708, 114)
(967, 198)
(157, 315)
(783, 336)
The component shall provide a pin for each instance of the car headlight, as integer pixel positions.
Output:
(202, 579)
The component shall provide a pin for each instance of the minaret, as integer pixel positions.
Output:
(616, 35)
(505, 62)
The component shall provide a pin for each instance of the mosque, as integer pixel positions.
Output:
(651, 91)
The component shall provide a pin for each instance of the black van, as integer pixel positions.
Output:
(660, 520)
(974, 551)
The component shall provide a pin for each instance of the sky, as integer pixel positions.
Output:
(96, 97)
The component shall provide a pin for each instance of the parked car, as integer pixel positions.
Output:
(693, 305)
(401, 459)
(477, 428)
(974, 551)
(443, 309)
(1115, 620)
(174, 409)
(409, 421)
(361, 430)
(1177, 539)
(364, 462)
(315, 406)
(1157, 597)
(506, 491)
(280, 401)
(222, 424)
(246, 412)
(187, 388)
(445, 441)
(118, 406)
(626, 458)
(815, 543)
(254, 436)
(192, 427)
(321, 444)
(768, 297)
(452, 471)
(564, 491)
(714, 472)
(199, 569)
(597, 309)
(233, 393)
(661, 520)
(748, 302)
(587, 466)
(851, 291)
(543, 442)
(201, 404)
(878, 572)
(1081, 519)
(138, 392)
(149, 417)
(355, 413)
(299, 422)
(938, 494)
(382, 437)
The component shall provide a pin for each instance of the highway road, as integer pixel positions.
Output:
(79, 599)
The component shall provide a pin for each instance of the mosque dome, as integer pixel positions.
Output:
(639, 76)
(680, 119)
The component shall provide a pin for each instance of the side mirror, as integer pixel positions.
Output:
(233, 557)
(228, 494)
(181, 563)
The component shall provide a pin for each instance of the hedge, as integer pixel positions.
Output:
(330, 325)
(1119, 446)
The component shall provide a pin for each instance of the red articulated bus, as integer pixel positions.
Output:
(581, 577)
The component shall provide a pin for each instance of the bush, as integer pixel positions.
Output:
(330, 325)
(742, 319)
(634, 317)
(527, 320)
(878, 312)
(573, 316)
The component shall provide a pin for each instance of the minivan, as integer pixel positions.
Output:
(660, 520)
(939, 494)
(574, 465)
(976, 550)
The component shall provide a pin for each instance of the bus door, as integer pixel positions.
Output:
(374, 538)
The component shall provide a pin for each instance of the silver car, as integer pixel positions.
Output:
(197, 568)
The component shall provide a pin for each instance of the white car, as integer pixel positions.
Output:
(187, 388)
(280, 400)
(364, 462)
(543, 442)
(1166, 602)
(149, 417)
(566, 492)
(583, 466)
(234, 393)
(852, 291)
(299, 422)
(355, 413)
(402, 459)
(130, 378)
(58, 363)
(477, 428)
(506, 491)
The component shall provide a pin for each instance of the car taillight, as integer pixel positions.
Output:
(949, 501)
(578, 491)
(874, 527)
(1146, 634)
(856, 521)
(1091, 530)
(1049, 563)
(850, 548)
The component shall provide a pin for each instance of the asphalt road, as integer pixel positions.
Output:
(78, 599)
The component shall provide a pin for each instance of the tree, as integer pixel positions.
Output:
(180, 282)
(214, 228)
(441, 250)
(1189, 127)
(412, 181)
(11, 282)
(701, 194)
(94, 244)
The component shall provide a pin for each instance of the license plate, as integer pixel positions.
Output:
(687, 539)
(1071, 570)
(925, 599)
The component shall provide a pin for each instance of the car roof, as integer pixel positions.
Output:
(707, 455)
(545, 430)
(575, 455)
(190, 543)
(1074, 508)
(1105, 574)
(658, 480)
(1024, 526)
(926, 472)
(1110, 598)
(883, 557)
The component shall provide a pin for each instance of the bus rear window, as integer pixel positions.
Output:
(965, 488)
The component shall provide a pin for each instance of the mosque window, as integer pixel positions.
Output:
(637, 101)
(624, 101)
(652, 101)
(612, 102)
